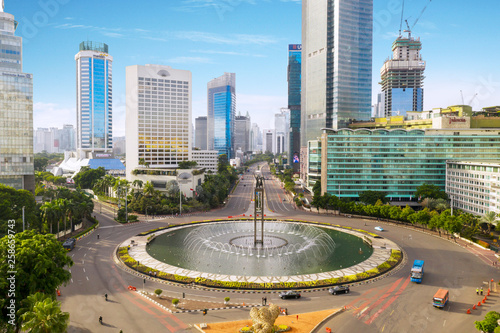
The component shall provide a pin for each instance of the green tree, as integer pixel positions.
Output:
(430, 191)
(490, 218)
(149, 189)
(489, 323)
(87, 178)
(406, 212)
(371, 197)
(41, 163)
(421, 217)
(41, 265)
(395, 212)
(187, 164)
(44, 315)
(12, 202)
(50, 214)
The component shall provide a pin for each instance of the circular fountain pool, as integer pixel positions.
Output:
(287, 248)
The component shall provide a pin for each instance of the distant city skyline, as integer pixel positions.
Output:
(209, 38)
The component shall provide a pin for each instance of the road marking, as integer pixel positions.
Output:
(85, 255)
(391, 313)
(71, 280)
(403, 287)
(87, 278)
(383, 328)
(84, 270)
(72, 255)
(389, 291)
(83, 262)
(70, 271)
(444, 322)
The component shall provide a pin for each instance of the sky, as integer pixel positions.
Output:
(460, 44)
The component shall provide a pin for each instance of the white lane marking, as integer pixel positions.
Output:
(83, 262)
(85, 255)
(444, 322)
(84, 270)
(71, 280)
(87, 278)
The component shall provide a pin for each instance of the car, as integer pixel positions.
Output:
(289, 294)
(379, 228)
(339, 290)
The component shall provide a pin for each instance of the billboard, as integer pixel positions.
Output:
(294, 47)
(296, 158)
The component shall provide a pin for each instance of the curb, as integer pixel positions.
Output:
(327, 318)
(143, 294)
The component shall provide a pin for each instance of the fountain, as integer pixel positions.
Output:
(268, 248)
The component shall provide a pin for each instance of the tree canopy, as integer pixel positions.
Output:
(12, 202)
(41, 264)
(87, 178)
(371, 197)
(430, 191)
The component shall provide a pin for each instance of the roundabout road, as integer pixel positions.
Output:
(391, 304)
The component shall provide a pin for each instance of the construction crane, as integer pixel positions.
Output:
(418, 18)
(473, 97)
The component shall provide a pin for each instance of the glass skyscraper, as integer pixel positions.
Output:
(16, 110)
(294, 84)
(94, 103)
(221, 114)
(336, 64)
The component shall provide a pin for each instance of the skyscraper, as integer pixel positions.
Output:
(402, 77)
(158, 117)
(242, 127)
(94, 121)
(282, 129)
(294, 85)
(336, 66)
(201, 133)
(16, 110)
(221, 112)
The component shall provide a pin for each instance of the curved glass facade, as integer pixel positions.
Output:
(398, 161)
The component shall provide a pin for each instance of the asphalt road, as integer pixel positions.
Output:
(392, 304)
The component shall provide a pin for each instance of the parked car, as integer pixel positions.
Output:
(289, 294)
(379, 228)
(339, 290)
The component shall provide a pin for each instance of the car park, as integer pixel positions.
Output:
(289, 294)
(339, 290)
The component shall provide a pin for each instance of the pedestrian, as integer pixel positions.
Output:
(265, 300)
(297, 317)
(97, 236)
(477, 291)
(481, 290)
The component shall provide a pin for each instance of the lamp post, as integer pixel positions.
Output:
(23, 218)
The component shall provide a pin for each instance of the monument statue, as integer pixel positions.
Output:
(263, 319)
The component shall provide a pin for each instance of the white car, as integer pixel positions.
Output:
(379, 228)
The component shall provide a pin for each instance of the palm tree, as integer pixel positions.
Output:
(138, 183)
(63, 207)
(50, 214)
(149, 189)
(44, 315)
(489, 218)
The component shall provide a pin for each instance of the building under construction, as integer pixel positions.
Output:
(402, 77)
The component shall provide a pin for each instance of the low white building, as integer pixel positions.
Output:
(474, 186)
(206, 159)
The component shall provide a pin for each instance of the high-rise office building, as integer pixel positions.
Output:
(294, 85)
(255, 138)
(402, 77)
(94, 121)
(336, 64)
(221, 112)
(282, 129)
(242, 127)
(269, 141)
(16, 110)
(201, 133)
(158, 117)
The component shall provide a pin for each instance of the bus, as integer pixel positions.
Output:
(417, 271)
(441, 298)
(69, 244)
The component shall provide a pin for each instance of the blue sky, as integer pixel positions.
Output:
(247, 37)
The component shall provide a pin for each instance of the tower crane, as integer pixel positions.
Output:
(418, 18)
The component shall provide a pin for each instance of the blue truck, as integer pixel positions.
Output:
(417, 271)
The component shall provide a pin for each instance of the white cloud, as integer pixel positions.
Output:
(52, 115)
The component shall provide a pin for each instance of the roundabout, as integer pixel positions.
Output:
(293, 254)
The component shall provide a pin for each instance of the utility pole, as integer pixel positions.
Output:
(23, 218)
